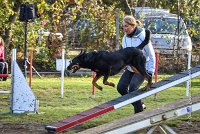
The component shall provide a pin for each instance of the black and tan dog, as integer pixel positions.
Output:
(107, 63)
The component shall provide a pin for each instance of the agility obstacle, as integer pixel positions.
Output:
(148, 118)
(22, 98)
(123, 100)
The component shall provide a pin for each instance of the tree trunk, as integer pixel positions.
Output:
(11, 20)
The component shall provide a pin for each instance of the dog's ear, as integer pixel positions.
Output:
(82, 52)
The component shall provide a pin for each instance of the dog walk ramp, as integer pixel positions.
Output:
(148, 118)
(123, 100)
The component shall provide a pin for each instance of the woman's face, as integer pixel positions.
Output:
(128, 29)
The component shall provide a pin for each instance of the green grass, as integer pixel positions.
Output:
(78, 97)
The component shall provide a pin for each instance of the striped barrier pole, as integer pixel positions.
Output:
(5, 75)
(93, 88)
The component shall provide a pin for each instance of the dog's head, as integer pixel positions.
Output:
(75, 63)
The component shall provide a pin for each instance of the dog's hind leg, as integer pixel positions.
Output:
(141, 69)
(94, 81)
(105, 82)
(149, 79)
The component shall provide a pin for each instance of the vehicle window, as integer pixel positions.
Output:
(164, 26)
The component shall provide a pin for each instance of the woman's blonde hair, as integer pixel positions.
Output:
(130, 20)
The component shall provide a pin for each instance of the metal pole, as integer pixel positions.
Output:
(178, 43)
(117, 28)
(62, 72)
(25, 49)
(156, 71)
(188, 67)
(31, 72)
(14, 53)
(34, 69)
(93, 88)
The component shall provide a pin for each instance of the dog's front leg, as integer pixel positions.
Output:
(94, 81)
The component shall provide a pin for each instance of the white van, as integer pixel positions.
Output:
(164, 28)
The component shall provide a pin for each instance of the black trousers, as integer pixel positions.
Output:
(130, 82)
(3, 70)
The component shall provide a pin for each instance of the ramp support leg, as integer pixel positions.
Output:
(163, 129)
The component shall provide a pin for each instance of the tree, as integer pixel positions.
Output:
(63, 16)
(8, 13)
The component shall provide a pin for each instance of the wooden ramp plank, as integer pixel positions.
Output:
(79, 118)
(141, 116)
(160, 83)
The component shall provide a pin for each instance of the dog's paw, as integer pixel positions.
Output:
(112, 84)
(100, 88)
(148, 87)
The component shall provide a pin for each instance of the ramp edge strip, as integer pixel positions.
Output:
(79, 121)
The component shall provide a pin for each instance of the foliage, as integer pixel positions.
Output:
(63, 16)
(43, 62)
(100, 32)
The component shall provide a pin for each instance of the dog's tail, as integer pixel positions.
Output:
(146, 40)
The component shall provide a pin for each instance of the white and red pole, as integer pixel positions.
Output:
(5, 75)
(156, 71)
(93, 88)
(30, 67)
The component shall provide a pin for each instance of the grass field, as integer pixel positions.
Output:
(78, 97)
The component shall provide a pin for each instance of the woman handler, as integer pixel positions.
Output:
(130, 81)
